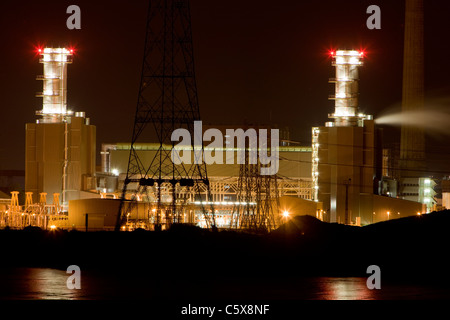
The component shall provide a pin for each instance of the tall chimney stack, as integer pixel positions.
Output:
(412, 147)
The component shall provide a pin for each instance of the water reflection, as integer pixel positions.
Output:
(36, 283)
(50, 284)
(31, 283)
(344, 289)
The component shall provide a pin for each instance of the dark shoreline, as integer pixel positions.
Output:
(407, 250)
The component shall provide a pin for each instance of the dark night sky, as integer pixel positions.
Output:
(255, 60)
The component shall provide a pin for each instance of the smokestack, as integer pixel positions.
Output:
(346, 112)
(54, 94)
(412, 147)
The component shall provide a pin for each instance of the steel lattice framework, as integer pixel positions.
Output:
(167, 101)
(258, 198)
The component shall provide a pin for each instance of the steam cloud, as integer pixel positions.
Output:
(431, 119)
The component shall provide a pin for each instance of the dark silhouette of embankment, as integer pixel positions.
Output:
(410, 247)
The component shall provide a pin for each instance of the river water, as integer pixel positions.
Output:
(45, 283)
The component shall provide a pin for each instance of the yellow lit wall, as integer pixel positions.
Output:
(346, 169)
(44, 154)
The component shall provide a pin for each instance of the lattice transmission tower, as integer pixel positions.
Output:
(167, 101)
(257, 198)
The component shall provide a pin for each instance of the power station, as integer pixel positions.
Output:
(342, 177)
(347, 156)
(344, 148)
(61, 145)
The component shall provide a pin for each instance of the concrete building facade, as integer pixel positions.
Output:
(346, 170)
(61, 158)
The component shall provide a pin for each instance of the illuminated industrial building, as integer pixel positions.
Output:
(294, 187)
(336, 179)
(445, 192)
(405, 175)
(60, 146)
(60, 175)
(341, 172)
(415, 183)
(346, 156)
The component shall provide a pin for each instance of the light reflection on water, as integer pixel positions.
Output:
(36, 283)
(344, 289)
(44, 283)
